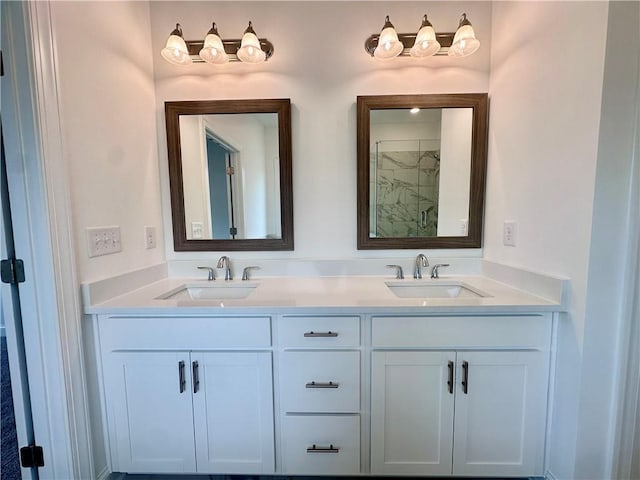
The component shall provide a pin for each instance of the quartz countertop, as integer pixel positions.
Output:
(340, 294)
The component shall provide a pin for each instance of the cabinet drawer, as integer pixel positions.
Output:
(321, 332)
(184, 333)
(461, 332)
(336, 440)
(305, 377)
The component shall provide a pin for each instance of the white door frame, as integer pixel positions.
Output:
(42, 229)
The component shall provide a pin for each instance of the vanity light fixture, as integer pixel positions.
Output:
(464, 42)
(250, 50)
(426, 44)
(215, 50)
(175, 50)
(390, 44)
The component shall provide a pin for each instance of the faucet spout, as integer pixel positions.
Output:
(421, 261)
(224, 262)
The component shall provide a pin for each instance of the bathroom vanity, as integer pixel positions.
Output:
(330, 376)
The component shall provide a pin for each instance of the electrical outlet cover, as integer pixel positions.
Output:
(509, 233)
(150, 237)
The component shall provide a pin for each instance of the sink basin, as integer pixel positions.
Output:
(435, 289)
(210, 291)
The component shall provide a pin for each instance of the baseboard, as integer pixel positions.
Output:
(105, 474)
(114, 476)
(550, 476)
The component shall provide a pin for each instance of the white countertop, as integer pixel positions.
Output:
(339, 294)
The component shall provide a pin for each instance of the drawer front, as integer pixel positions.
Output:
(184, 333)
(320, 382)
(336, 440)
(462, 332)
(320, 332)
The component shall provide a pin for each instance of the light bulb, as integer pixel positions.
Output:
(426, 43)
(175, 50)
(388, 44)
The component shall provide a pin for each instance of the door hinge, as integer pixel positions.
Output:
(12, 270)
(231, 170)
(32, 456)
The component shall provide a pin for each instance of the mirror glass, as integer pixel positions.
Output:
(421, 163)
(230, 165)
(230, 174)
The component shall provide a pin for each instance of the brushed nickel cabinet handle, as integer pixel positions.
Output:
(322, 385)
(181, 379)
(330, 449)
(320, 334)
(450, 379)
(465, 377)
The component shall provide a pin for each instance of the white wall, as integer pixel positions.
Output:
(455, 171)
(323, 83)
(195, 178)
(547, 68)
(107, 92)
(609, 303)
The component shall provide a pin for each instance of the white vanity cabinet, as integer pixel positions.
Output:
(319, 389)
(459, 395)
(188, 395)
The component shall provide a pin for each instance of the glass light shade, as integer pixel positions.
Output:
(213, 50)
(426, 43)
(388, 44)
(464, 42)
(175, 50)
(250, 50)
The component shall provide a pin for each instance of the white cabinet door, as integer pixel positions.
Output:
(500, 419)
(411, 413)
(233, 412)
(150, 412)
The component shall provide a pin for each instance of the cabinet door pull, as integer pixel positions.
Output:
(196, 377)
(329, 449)
(181, 377)
(322, 385)
(450, 380)
(465, 377)
(320, 334)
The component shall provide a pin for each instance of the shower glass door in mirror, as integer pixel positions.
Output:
(230, 175)
(420, 166)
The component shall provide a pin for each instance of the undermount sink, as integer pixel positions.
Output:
(433, 289)
(210, 291)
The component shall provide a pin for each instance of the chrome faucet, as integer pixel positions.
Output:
(399, 272)
(225, 263)
(211, 275)
(434, 271)
(421, 261)
(245, 272)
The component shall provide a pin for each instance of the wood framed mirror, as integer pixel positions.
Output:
(230, 174)
(421, 170)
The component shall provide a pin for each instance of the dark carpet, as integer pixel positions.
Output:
(10, 469)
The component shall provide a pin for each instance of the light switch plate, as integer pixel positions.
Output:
(197, 229)
(149, 237)
(103, 241)
(509, 233)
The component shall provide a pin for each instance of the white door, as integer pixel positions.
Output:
(412, 412)
(233, 412)
(500, 420)
(150, 412)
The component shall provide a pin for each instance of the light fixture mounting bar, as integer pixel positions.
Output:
(230, 47)
(408, 39)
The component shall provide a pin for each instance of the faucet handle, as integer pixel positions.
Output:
(245, 271)
(435, 272)
(399, 272)
(212, 273)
